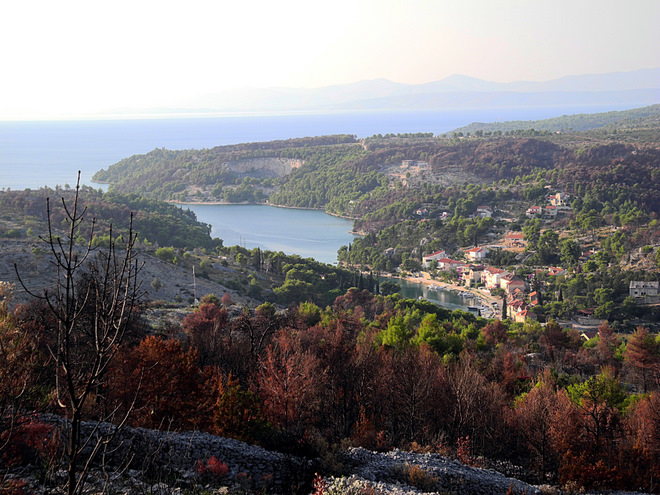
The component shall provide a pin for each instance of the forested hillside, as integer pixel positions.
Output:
(24, 214)
(626, 119)
(167, 175)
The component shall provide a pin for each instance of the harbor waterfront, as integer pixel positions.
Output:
(447, 295)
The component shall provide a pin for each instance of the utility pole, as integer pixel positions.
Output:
(194, 285)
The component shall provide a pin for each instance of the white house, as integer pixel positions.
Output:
(491, 276)
(447, 264)
(426, 260)
(533, 211)
(484, 211)
(477, 253)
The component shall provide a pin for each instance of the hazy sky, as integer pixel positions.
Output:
(67, 58)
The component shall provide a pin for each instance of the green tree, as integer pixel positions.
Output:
(166, 254)
(532, 233)
(548, 247)
(388, 288)
(241, 259)
(590, 221)
(570, 252)
(156, 284)
(396, 334)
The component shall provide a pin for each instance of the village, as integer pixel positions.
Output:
(505, 292)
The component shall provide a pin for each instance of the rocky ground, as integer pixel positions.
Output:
(38, 273)
(141, 461)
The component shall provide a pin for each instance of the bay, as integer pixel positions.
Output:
(442, 297)
(308, 233)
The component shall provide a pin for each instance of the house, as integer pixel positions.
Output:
(426, 260)
(534, 211)
(556, 271)
(586, 255)
(472, 274)
(422, 212)
(514, 306)
(477, 253)
(559, 199)
(525, 316)
(533, 298)
(587, 335)
(389, 252)
(447, 264)
(484, 211)
(551, 211)
(515, 239)
(517, 294)
(643, 289)
(509, 282)
(519, 311)
(491, 277)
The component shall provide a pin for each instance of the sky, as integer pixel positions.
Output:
(71, 58)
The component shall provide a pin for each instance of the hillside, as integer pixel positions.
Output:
(637, 118)
(336, 172)
(234, 173)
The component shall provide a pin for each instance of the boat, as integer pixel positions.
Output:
(476, 310)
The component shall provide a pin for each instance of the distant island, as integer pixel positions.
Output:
(627, 89)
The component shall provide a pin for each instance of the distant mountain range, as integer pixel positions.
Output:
(637, 88)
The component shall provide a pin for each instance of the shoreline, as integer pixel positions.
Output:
(426, 279)
(219, 203)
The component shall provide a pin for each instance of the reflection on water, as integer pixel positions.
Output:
(437, 295)
(308, 233)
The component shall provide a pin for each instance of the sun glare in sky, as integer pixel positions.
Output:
(71, 58)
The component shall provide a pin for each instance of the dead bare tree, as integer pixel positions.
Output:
(91, 317)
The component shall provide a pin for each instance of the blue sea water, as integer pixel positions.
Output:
(35, 154)
(308, 233)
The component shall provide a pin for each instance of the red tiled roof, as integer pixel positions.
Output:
(450, 261)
